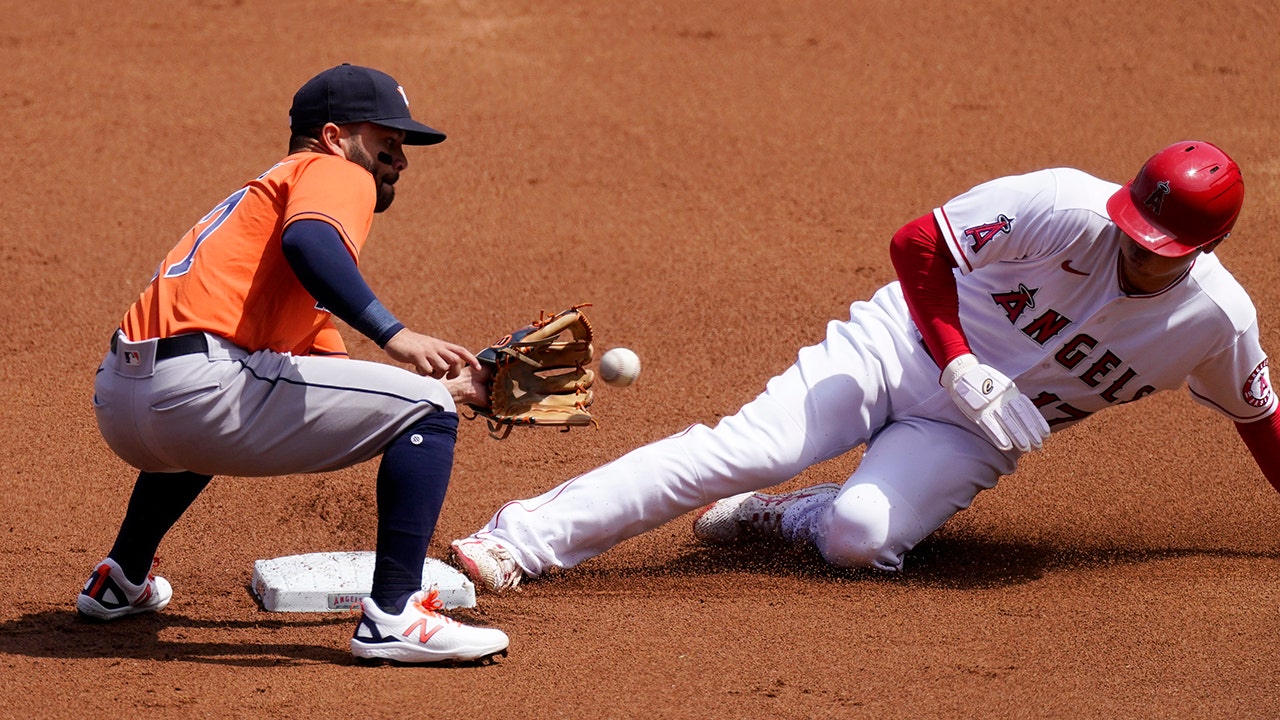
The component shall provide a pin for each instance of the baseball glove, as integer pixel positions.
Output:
(539, 375)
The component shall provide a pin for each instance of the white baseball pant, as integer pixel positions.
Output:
(870, 381)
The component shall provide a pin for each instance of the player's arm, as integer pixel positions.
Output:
(1263, 440)
(924, 268)
(1235, 382)
(319, 258)
(316, 253)
(989, 398)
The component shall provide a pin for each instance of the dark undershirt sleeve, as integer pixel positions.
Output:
(320, 259)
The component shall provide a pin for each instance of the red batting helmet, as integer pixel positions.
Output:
(1187, 195)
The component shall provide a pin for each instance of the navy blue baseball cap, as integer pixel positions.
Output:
(351, 94)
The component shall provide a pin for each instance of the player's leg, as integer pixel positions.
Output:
(412, 479)
(827, 403)
(265, 413)
(156, 503)
(312, 414)
(916, 474)
(360, 409)
(123, 584)
(400, 621)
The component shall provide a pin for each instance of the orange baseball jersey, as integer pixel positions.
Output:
(228, 276)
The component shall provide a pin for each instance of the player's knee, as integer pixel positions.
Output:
(439, 425)
(860, 531)
(432, 436)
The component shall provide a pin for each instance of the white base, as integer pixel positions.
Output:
(335, 581)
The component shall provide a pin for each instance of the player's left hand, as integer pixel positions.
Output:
(540, 374)
(991, 400)
(430, 356)
(470, 387)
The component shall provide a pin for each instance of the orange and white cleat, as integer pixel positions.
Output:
(421, 635)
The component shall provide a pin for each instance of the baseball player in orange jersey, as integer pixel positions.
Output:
(1023, 305)
(230, 364)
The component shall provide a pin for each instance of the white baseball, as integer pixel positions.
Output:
(620, 367)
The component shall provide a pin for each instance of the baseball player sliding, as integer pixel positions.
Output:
(230, 364)
(1022, 306)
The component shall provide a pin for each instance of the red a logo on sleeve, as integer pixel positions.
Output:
(982, 234)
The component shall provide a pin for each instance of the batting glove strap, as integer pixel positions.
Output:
(990, 399)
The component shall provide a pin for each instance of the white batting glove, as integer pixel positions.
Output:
(992, 401)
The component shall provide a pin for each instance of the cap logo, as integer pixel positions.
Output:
(1155, 201)
(400, 89)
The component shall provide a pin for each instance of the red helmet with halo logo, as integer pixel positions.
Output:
(1186, 196)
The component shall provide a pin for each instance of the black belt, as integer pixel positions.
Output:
(176, 346)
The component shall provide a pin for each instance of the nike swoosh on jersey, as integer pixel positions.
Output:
(1066, 265)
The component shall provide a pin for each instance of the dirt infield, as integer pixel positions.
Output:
(719, 179)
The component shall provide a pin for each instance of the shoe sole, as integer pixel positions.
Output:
(400, 655)
(468, 567)
(471, 570)
(91, 609)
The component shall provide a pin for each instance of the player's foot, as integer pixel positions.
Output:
(108, 594)
(752, 516)
(487, 563)
(420, 634)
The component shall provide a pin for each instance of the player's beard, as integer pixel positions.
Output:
(385, 182)
(386, 195)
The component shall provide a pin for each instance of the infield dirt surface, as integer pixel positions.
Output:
(719, 179)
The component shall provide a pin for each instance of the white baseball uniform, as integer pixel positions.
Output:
(1040, 300)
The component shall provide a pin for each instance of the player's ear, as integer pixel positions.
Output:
(330, 135)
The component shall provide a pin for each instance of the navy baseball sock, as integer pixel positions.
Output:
(412, 480)
(158, 500)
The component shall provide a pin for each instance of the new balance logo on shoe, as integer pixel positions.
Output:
(421, 625)
(419, 634)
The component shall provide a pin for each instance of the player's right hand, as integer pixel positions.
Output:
(991, 400)
(430, 356)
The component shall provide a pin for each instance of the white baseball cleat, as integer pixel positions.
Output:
(751, 516)
(487, 563)
(420, 634)
(108, 594)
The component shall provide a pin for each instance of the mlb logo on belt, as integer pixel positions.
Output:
(131, 357)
